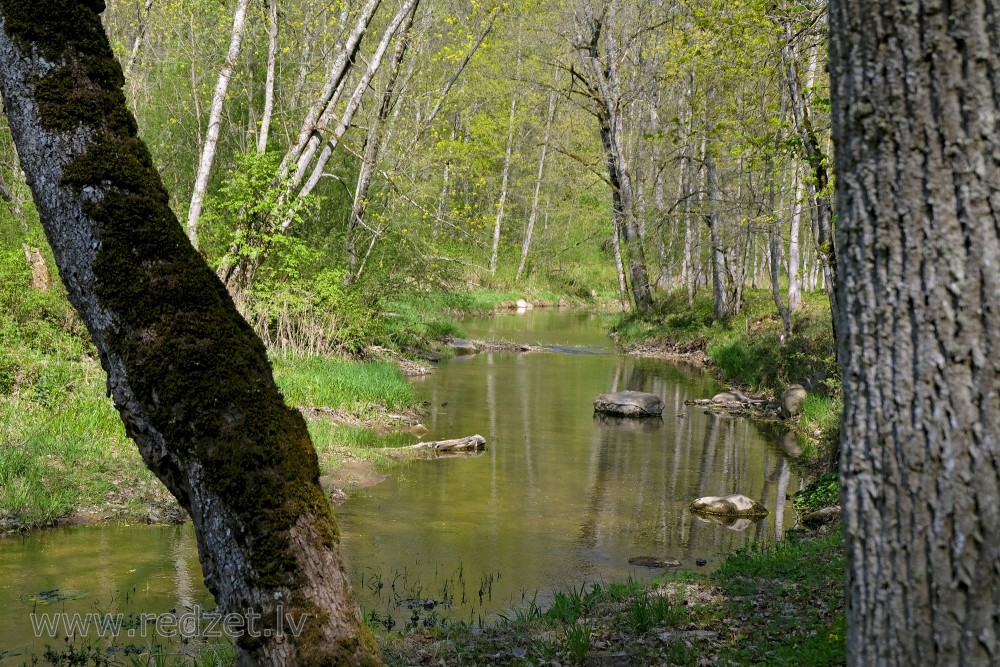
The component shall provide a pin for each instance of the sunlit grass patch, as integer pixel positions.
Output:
(339, 383)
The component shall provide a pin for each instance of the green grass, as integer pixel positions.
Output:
(778, 604)
(821, 413)
(339, 383)
(791, 597)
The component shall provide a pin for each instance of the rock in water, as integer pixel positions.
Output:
(734, 505)
(629, 404)
(461, 346)
(791, 400)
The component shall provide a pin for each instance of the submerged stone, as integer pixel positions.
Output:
(629, 404)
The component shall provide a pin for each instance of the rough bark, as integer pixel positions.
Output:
(189, 377)
(215, 121)
(915, 108)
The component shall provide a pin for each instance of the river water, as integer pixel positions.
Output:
(560, 498)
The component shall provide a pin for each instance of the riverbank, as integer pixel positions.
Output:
(779, 604)
(65, 458)
(751, 353)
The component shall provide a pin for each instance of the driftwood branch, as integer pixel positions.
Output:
(474, 443)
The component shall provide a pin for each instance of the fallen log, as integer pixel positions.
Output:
(474, 443)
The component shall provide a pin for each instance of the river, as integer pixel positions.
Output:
(560, 498)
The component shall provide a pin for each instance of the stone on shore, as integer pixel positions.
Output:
(791, 400)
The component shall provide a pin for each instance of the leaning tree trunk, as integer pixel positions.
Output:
(189, 377)
(915, 124)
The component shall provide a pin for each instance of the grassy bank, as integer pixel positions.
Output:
(749, 350)
(64, 452)
(766, 605)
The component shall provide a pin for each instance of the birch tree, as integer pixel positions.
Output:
(215, 121)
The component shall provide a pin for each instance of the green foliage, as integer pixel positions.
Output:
(823, 492)
(647, 610)
(748, 349)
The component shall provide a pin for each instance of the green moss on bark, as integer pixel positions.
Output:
(198, 371)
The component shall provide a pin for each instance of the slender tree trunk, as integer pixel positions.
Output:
(215, 121)
(445, 190)
(774, 246)
(914, 119)
(530, 229)
(818, 186)
(272, 65)
(616, 246)
(373, 144)
(504, 181)
(190, 379)
(721, 308)
(139, 36)
(794, 279)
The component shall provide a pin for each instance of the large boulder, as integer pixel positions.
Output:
(791, 400)
(629, 404)
(734, 505)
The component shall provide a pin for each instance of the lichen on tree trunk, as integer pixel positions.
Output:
(190, 379)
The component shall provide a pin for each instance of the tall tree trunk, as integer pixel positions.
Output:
(794, 279)
(602, 80)
(915, 112)
(215, 121)
(818, 185)
(721, 307)
(373, 144)
(774, 246)
(533, 216)
(190, 379)
(504, 182)
(272, 66)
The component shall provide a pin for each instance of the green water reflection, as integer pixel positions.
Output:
(127, 570)
(561, 497)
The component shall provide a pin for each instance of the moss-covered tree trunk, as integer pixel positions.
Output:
(915, 124)
(191, 380)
